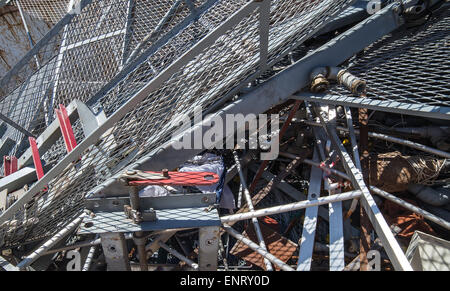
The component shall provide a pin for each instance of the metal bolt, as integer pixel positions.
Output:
(131, 172)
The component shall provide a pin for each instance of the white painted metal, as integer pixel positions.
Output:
(291, 207)
(309, 224)
(391, 246)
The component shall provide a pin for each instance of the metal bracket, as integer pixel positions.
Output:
(66, 128)
(36, 158)
(115, 250)
(139, 216)
(9, 165)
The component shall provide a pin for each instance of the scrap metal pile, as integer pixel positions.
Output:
(358, 101)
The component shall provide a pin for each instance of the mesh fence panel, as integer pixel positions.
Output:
(409, 66)
(226, 64)
(51, 11)
(80, 59)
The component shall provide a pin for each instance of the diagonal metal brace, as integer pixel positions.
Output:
(395, 253)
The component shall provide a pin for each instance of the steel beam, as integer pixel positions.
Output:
(391, 246)
(208, 249)
(282, 86)
(336, 227)
(115, 251)
(310, 222)
(264, 28)
(422, 110)
(272, 92)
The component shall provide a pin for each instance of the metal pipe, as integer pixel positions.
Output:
(162, 237)
(438, 211)
(15, 125)
(397, 140)
(257, 249)
(356, 158)
(25, 25)
(134, 198)
(178, 255)
(291, 207)
(89, 243)
(283, 130)
(429, 195)
(411, 207)
(317, 165)
(251, 209)
(411, 144)
(28, 260)
(320, 83)
(140, 239)
(90, 256)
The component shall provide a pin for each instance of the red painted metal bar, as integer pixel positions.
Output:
(66, 128)
(180, 179)
(9, 165)
(36, 158)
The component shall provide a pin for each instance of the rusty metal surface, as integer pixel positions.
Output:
(277, 245)
(14, 43)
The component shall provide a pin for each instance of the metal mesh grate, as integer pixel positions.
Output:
(80, 59)
(229, 62)
(411, 66)
(51, 11)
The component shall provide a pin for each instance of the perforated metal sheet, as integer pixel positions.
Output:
(230, 62)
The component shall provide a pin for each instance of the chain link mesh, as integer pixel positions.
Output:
(215, 72)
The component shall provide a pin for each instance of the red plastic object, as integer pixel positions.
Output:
(180, 179)
(66, 128)
(9, 165)
(36, 158)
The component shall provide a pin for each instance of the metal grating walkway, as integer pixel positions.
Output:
(200, 55)
(410, 66)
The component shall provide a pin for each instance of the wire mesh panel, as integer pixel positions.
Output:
(409, 66)
(81, 58)
(51, 11)
(230, 61)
